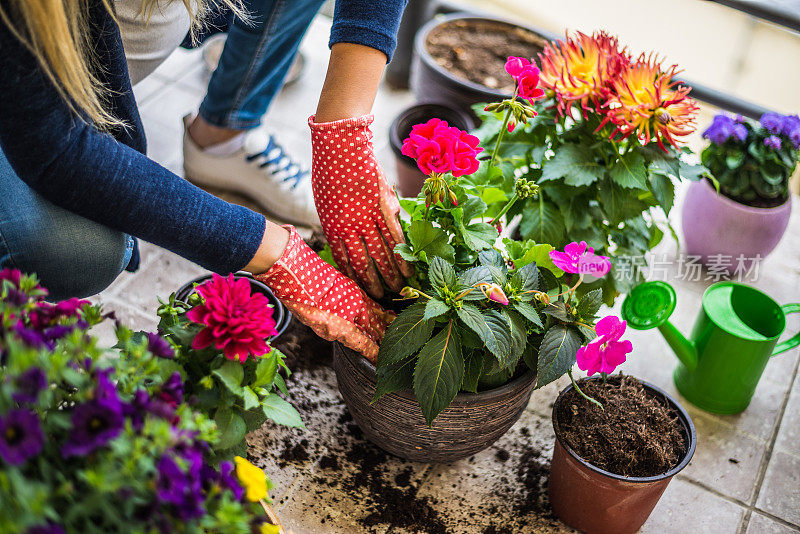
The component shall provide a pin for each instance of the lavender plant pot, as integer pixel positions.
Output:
(715, 225)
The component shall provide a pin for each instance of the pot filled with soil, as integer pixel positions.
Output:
(459, 59)
(409, 177)
(395, 423)
(281, 315)
(611, 466)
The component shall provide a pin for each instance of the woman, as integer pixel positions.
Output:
(76, 184)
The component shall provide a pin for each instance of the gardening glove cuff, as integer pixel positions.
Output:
(357, 209)
(325, 300)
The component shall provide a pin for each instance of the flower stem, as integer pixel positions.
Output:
(503, 129)
(505, 208)
(581, 393)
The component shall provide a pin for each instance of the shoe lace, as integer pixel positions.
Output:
(277, 161)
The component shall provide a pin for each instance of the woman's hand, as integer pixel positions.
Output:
(325, 300)
(358, 210)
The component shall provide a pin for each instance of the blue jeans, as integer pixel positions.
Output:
(257, 56)
(71, 255)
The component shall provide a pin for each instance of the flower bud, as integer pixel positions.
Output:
(409, 293)
(494, 292)
(511, 125)
(453, 198)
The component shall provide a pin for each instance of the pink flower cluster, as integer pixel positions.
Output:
(605, 352)
(526, 74)
(440, 148)
(236, 322)
(580, 259)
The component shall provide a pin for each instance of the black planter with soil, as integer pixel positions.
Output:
(460, 59)
(281, 315)
(395, 422)
(409, 177)
(602, 489)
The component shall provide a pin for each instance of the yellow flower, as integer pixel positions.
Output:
(252, 478)
(266, 528)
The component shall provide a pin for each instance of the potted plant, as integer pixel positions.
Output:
(409, 177)
(619, 441)
(93, 440)
(752, 163)
(219, 336)
(604, 151)
(491, 319)
(458, 59)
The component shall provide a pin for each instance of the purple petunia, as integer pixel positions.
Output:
(182, 489)
(773, 142)
(721, 129)
(772, 122)
(21, 436)
(96, 422)
(229, 480)
(159, 346)
(137, 409)
(28, 385)
(31, 337)
(172, 390)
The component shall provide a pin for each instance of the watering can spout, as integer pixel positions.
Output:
(684, 349)
(649, 305)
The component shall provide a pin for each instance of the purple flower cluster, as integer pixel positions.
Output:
(724, 127)
(96, 422)
(21, 436)
(28, 385)
(787, 126)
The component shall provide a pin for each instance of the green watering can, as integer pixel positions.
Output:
(735, 335)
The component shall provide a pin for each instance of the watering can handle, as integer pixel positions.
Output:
(793, 341)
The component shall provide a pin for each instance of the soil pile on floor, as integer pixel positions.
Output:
(477, 50)
(636, 433)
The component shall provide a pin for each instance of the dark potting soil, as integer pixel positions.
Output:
(304, 349)
(635, 434)
(477, 50)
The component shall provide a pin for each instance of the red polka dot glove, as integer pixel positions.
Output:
(358, 210)
(321, 297)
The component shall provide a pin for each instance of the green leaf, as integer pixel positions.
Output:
(693, 172)
(542, 222)
(663, 190)
(519, 334)
(556, 353)
(435, 308)
(405, 252)
(266, 369)
(398, 376)
(528, 311)
(573, 163)
(492, 258)
(407, 333)
(231, 374)
(587, 332)
(473, 368)
(492, 328)
(424, 237)
(590, 303)
(441, 274)
(526, 278)
(531, 356)
(281, 384)
(231, 427)
(479, 236)
(472, 208)
(281, 412)
(492, 195)
(630, 171)
(250, 399)
(558, 310)
(439, 373)
(523, 253)
(469, 278)
(619, 203)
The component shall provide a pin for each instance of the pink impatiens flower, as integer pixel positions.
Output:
(605, 352)
(580, 259)
(237, 322)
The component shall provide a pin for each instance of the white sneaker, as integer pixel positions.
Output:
(260, 170)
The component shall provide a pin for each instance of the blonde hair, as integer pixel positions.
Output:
(57, 31)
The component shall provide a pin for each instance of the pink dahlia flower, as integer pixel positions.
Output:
(237, 322)
(606, 352)
(580, 259)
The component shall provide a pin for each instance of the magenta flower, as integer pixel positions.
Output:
(515, 65)
(605, 352)
(580, 259)
(237, 322)
(526, 74)
(440, 148)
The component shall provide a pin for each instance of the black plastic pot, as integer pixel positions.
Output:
(281, 315)
(596, 501)
(431, 82)
(409, 177)
(395, 423)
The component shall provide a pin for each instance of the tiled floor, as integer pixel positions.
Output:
(744, 478)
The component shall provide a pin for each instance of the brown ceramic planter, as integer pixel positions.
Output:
(595, 501)
(409, 178)
(395, 423)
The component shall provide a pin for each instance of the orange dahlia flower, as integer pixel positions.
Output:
(581, 69)
(646, 101)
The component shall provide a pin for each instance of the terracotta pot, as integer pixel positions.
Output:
(281, 315)
(431, 82)
(595, 501)
(409, 177)
(714, 224)
(395, 423)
